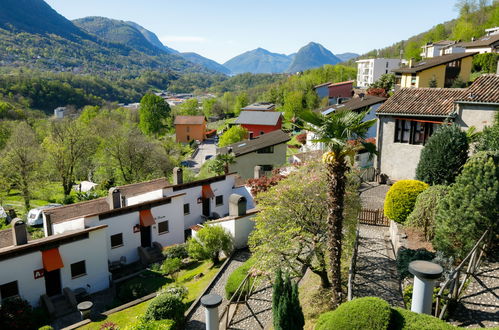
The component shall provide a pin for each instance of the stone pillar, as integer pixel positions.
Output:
(425, 273)
(211, 303)
(257, 172)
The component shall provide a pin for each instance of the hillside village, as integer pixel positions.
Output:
(367, 200)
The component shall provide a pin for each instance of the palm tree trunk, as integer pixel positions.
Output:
(336, 182)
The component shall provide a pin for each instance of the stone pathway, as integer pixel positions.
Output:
(256, 313)
(479, 305)
(376, 271)
(196, 320)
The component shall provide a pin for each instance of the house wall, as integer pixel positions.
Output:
(194, 132)
(239, 229)
(256, 129)
(481, 50)
(245, 164)
(466, 64)
(424, 77)
(344, 90)
(148, 196)
(21, 268)
(322, 92)
(62, 227)
(397, 160)
(478, 115)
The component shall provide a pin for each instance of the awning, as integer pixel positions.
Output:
(207, 192)
(146, 218)
(52, 260)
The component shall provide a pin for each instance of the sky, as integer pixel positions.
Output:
(222, 29)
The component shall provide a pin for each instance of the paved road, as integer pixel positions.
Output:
(376, 270)
(207, 148)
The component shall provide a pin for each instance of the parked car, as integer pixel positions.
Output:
(35, 216)
(207, 157)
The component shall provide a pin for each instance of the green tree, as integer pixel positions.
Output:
(89, 112)
(188, 108)
(234, 134)
(242, 100)
(386, 81)
(287, 312)
(294, 104)
(335, 131)
(153, 112)
(220, 165)
(171, 267)
(488, 139)
(412, 50)
(297, 205)
(470, 207)
(443, 156)
(21, 161)
(209, 242)
(209, 107)
(68, 144)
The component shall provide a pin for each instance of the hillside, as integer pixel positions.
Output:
(258, 61)
(151, 37)
(206, 62)
(34, 35)
(347, 56)
(312, 55)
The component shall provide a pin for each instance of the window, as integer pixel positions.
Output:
(266, 150)
(187, 129)
(219, 200)
(8, 290)
(413, 132)
(413, 79)
(387, 64)
(78, 269)
(116, 240)
(188, 138)
(267, 168)
(187, 208)
(163, 227)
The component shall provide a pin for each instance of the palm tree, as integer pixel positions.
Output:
(343, 134)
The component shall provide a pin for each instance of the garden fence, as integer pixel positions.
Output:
(373, 217)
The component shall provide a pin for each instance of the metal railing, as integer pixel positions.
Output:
(246, 283)
(455, 284)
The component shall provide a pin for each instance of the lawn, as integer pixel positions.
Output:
(185, 277)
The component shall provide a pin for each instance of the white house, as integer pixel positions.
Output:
(486, 44)
(434, 49)
(370, 70)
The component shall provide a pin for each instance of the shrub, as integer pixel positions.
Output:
(361, 313)
(488, 139)
(171, 267)
(405, 256)
(423, 215)
(236, 277)
(166, 306)
(302, 138)
(470, 207)
(234, 134)
(209, 242)
(46, 327)
(142, 324)
(16, 313)
(176, 251)
(443, 156)
(401, 197)
(403, 319)
(176, 290)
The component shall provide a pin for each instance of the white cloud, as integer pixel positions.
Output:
(189, 39)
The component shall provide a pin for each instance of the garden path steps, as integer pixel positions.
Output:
(196, 320)
(376, 270)
(479, 304)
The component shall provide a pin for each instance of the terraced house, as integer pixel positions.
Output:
(411, 115)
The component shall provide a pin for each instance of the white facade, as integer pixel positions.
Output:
(20, 267)
(370, 70)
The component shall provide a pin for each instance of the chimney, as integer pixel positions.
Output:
(412, 61)
(258, 172)
(114, 198)
(237, 205)
(178, 176)
(48, 224)
(19, 232)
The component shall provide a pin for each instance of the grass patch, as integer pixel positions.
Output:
(185, 277)
(313, 300)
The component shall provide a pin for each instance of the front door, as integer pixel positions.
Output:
(145, 236)
(53, 282)
(206, 207)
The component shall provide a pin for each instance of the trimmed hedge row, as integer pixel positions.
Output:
(401, 198)
(376, 314)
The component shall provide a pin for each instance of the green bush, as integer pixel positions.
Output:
(209, 242)
(142, 324)
(46, 327)
(485, 62)
(403, 319)
(443, 156)
(166, 306)
(423, 215)
(361, 313)
(171, 267)
(470, 207)
(405, 256)
(400, 199)
(176, 251)
(237, 276)
(488, 139)
(16, 313)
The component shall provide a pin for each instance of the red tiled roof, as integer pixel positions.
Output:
(485, 89)
(189, 120)
(422, 101)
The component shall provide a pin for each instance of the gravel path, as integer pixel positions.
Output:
(376, 271)
(197, 320)
(479, 305)
(372, 195)
(256, 313)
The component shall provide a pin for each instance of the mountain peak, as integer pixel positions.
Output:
(310, 56)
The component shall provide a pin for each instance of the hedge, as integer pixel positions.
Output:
(401, 198)
(237, 276)
(166, 306)
(375, 313)
(362, 313)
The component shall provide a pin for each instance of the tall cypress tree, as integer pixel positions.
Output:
(276, 294)
(286, 307)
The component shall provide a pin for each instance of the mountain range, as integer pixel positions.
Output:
(33, 34)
